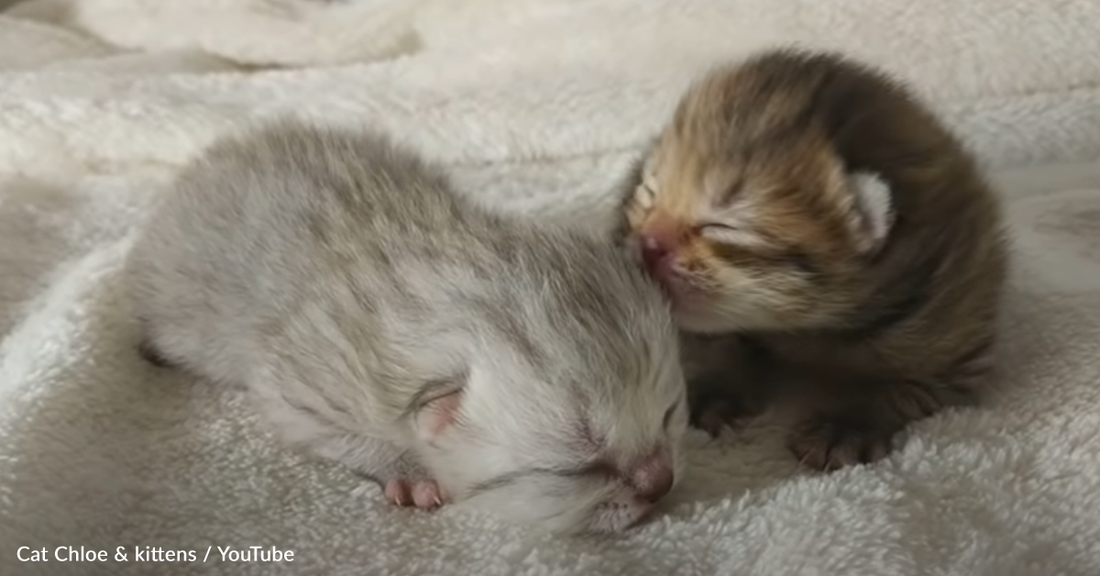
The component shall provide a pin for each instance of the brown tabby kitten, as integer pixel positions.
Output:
(809, 208)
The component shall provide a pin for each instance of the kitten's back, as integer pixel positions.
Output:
(290, 213)
(271, 216)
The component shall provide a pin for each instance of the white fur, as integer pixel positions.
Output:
(98, 450)
(561, 352)
(874, 210)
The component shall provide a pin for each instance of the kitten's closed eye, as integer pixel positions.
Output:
(730, 233)
(737, 243)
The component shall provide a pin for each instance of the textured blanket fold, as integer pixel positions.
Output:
(537, 106)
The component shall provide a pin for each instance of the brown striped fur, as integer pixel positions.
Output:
(768, 236)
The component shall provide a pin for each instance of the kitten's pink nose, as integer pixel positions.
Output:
(652, 478)
(654, 252)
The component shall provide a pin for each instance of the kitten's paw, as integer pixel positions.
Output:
(422, 493)
(830, 442)
(717, 407)
(716, 414)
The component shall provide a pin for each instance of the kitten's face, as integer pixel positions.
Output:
(590, 442)
(763, 231)
(546, 455)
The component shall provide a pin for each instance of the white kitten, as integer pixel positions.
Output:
(383, 321)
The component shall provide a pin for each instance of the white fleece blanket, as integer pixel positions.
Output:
(538, 106)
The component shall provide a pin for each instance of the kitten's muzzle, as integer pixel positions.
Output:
(652, 478)
(655, 252)
(659, 259)
(657, 256)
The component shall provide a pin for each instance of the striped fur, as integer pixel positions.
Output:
(814, 207)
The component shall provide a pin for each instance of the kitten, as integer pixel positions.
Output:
(379, 319)
(810, 207)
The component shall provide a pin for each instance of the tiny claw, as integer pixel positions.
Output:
(426, 494)
(397, 492)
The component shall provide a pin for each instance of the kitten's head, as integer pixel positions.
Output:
(746, 213)
(572, 413)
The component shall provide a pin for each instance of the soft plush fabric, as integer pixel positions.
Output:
(537, 106)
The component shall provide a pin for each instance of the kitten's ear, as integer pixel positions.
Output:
(439, 410)
(871, 213)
